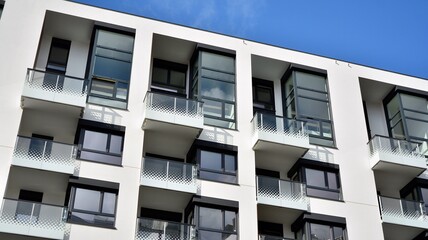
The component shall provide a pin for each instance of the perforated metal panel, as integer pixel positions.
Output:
(400, 211)
(394, 146)
(44, 154)
(151, 229)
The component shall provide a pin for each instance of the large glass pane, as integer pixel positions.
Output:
(115, 40)
(315, 178)
(229, 111)
(208, 235)
(218, 89)
(229, 221)
(320, 232)
(327, 194)
(264, 94)
(417, 129)
(109, 203)
(414, 103)
(211, 160)
(116, 144)
(312, 94)
(95, 141)
(338, 233)
(218, 75)
(218, 62)
(218, 177)
(398, 131)
(424, 192)
(229, 163)
(178, 79)
(111, 68)
(210, 218)
(332, 180)
(122, 90)
(109, 53)
(416, 115)
(213, 108)
(313, 108)
(393, 106)
(160, 76)
(311, 81)
(58, 55)
(104, 88)
(88, 200)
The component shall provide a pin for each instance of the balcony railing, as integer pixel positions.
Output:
(276, 129)
(32, 219)
(55, 88)
(396, 151)
(169, 175)
(152, 229)
(173, 109)
(268, 237)
(44, 154)
(282, 193)
(403, 212)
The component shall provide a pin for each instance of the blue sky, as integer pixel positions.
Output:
(386, 34)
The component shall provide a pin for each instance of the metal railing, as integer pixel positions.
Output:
(283, 190)
(169, 174)
(177, 106)
(273, 124)
(18, 215)
(152, 229)
(268, 237)
(41, 151)
(403, 210)
(54, 83)
(394, 146)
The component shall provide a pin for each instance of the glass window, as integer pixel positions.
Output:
(100, 147)
(58, 55)
(322, 184)
(92, 207)
(216, 224)
(169, 75)
(214, 84)
(307, 99)
(111, 68)
(263, 95)
(217, 166)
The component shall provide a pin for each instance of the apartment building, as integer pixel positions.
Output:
(115, 126)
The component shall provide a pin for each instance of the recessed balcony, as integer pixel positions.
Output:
(33, 219)
(152, 229)
(282, 193)
(403, 212)
(279, 134)
(167, 174)
(171, 113)
(268, 237)
(395, 155)
(45, 90)
(44, 155)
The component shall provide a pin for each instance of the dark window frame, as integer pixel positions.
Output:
(70, 200)
(91, 65)
(169, 88)
(266, 84)
(223, 171)
(290, 74)
(86, 125)
(51, 64)
(196, 79)
(223, 216)
(397, 92)
(302, 224)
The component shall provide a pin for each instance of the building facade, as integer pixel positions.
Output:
(115, 126)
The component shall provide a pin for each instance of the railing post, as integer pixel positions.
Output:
(175, 105)
(167, 171)
(401, 208)
(399, 146)
(261, 121)
(164, 230)
(32, 213)
(44, 149)
(57, 81)
(380, 143)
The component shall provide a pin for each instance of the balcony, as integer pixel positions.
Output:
(41, 87)
(403, 212)
(32, 219)
(395, 155)
(282, 193)
(278, 134)
(268, 237)
(169, 175)
(152, 229)
(165, 111)
(44, 155)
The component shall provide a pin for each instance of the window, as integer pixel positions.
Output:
(306, 98)
(319, 227)
(99, 144)
(58, 55)
(213, 82)
(92, 206)
(169, 77)
(216, 224)
(417, 192)
(27, 210)
(1, 8)
(407, 116)
(217, 166)
(322, 179)
(263, 96)
(110, 69)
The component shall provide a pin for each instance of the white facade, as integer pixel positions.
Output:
(26, 31)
